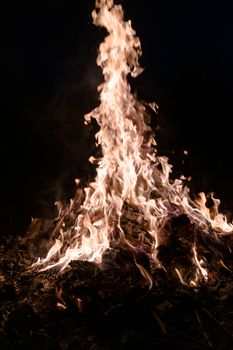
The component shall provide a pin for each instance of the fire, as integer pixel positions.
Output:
(130, 171)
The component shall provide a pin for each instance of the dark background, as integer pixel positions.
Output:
(49, 79)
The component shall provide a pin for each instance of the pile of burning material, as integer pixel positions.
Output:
(133, 239)
(113, 304)
(133, 203)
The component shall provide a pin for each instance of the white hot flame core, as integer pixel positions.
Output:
(129, 170)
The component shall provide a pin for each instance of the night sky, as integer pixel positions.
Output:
(49, 79)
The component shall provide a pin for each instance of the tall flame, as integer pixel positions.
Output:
(130, 170)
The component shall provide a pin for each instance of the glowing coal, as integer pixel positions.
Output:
(130, 174)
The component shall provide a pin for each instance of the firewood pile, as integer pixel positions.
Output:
(114, 305)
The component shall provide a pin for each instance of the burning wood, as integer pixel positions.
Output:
(133, 238)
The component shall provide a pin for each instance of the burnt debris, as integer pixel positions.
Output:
(113, 305)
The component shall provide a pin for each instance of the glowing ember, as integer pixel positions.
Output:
(129, 172)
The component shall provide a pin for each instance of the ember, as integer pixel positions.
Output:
(131, 246)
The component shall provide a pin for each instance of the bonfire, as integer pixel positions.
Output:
(130, 174)
(134, 238)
